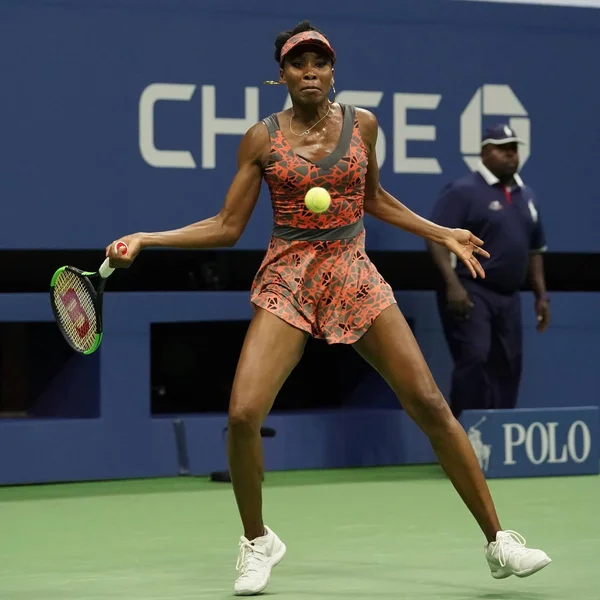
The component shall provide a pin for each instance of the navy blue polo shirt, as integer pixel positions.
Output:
(507, 220)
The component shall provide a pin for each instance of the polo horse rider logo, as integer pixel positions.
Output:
(482, 451)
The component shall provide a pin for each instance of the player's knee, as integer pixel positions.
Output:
(430, 411)
(244, 418)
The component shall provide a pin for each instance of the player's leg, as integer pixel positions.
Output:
(271, 350)
(390, 347)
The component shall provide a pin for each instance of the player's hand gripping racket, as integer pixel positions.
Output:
(76, 298)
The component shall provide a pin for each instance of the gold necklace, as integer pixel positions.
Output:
(312, 126)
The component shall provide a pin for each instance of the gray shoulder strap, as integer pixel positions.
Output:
(349, 115)
(272, 123)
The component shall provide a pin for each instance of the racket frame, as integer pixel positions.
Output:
(96, 294)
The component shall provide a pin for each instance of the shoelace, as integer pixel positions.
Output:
(513, 543)
(249, 558)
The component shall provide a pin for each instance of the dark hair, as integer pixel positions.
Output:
(284, 36)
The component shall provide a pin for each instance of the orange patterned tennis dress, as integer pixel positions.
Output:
(316, 274)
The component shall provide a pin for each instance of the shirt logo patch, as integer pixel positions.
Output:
(495, 205)
(533, 211)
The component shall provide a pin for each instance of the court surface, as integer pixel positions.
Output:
(399, 532)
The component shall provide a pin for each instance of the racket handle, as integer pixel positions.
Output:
(105, 270)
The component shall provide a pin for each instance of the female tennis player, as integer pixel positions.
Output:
(316, 279)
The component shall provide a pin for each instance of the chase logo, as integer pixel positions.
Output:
(492, 100)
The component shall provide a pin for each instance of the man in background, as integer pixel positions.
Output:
(482, 317)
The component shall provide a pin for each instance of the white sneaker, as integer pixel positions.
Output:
(256, 558)
(508, 556)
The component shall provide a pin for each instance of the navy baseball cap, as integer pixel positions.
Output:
(500, 133)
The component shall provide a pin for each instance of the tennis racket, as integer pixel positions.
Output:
(76, 298)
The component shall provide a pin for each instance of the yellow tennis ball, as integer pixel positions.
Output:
(317, 199)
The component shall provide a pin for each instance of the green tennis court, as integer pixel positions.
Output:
(398, 532)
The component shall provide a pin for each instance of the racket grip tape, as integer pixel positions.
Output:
(105, 269)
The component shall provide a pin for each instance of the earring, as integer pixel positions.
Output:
(333, 88)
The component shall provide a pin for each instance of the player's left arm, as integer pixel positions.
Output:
(382, 205)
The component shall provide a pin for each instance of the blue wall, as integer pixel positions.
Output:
(80, 137)
(124, 441)
(80, 122)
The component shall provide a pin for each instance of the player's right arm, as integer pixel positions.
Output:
(226, 227)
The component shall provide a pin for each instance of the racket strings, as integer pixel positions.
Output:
(75, 307)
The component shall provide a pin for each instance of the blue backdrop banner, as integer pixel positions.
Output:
(126, 116)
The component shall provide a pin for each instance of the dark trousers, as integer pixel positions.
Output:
(487, 350)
